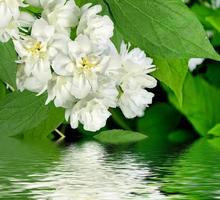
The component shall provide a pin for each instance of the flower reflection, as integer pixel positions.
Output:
(87, 171)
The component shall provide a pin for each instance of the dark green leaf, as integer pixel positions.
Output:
(119, 118)
(160, 118)
(119, 137)
(180, 136)
(212, 74)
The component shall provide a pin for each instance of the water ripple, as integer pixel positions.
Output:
(89, 170)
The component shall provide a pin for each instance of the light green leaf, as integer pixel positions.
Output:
(119, 137)
(172, 73)
(215, 130)
(20, 112)
(160, 118)
(214, 20)
(165, 29)
(53, 120)
(32, 9)
(200, 104)
(8, 65)
(202, 12)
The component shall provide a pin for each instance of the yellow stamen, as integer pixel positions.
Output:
(36, 48)
(89, 63)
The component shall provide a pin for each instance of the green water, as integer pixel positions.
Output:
(86, 170)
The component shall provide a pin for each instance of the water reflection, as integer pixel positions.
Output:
(153, 169)
(196, 173)
(85, 171)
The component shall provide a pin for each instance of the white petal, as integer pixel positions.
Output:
(5, 15)
(194, 62)
(80, 86)
(62, 65)
(133, 103)
(94, 116)
(42, 31)
(26, 19)
(34, 2)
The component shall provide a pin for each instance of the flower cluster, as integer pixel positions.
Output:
(67, 52)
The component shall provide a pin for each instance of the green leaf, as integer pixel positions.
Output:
(214, 20)
(212, 74)
(202, 12)
(8, 65)
(165, 29)
(119, 137)
(160, 118)
(53, 120)
(215, 131)
(119, 118)
(32, 9)
(200, 104)
(20, 112)
(172, 73)
(180, 136)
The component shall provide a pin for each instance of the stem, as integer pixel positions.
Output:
(62, 136)
(10, 87)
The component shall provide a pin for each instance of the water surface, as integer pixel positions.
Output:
(86, 170)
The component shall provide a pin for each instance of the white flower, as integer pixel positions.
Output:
(9, 15)
(34, 50)
(59, 91)
(86, 76)
(133, 102)
(216, 3)
(37, 50)
(194, 62)
(107, 91)
(26, 20)
(98, 28)
(9, 31)
(9, 9)
(84, 64)
(133, 81)
(62, 14)
(30, 83)
(92, 113)
(35, 3)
